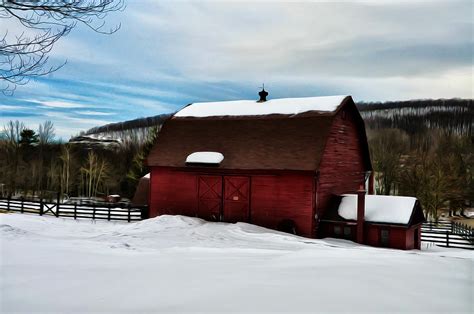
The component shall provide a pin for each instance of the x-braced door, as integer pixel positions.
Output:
(210, 197)
(236, 199)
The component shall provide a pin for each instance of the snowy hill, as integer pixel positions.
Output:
(181, 264)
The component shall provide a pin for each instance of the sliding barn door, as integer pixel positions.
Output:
(210, 197)
(236, 199)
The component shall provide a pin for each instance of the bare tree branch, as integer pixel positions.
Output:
(25, 56)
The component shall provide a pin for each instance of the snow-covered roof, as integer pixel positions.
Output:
(205, 158)
(288, 106)
(379, 208)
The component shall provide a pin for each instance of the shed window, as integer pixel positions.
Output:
(384, 237)
(337, 230)
(347, 232)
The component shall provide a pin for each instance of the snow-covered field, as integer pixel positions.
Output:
(180, 264)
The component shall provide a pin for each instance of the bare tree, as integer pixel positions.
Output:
(66, 158)
(94, 173)
(25, 55)
(46, 136)
(12, 136)
(46, 133)
(386, 148)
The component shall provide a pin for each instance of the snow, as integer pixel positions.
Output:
(181, 264)
(251, 107)
(205, 158)
(379, 208)
(147, 176)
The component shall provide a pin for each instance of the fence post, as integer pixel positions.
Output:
(21, 208)
(128, 207)
(447, 238)
(144, 212)
(41, 207)
(57, 205)
(8, 202)
(93, 211)
(108, 213)
(75, 210)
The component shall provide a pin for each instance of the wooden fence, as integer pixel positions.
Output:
(443, 233)
(89, 211)
(448, 234)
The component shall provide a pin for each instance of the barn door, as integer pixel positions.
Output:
(236, 199)
(210, 197)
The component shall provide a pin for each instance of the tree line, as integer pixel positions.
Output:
(424, 149)
(34, 164)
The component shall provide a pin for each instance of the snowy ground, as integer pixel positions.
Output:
(180, 264)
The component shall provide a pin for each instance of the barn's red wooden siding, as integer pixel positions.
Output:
(275, 198)
(343, 167)
(172, 193)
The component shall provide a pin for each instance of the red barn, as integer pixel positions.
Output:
(275, 163)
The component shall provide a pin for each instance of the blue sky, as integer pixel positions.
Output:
(171, 53)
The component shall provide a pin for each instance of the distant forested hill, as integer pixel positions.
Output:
(414, 116)
(452, 115)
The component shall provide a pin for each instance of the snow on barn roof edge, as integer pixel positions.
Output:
(286, 106)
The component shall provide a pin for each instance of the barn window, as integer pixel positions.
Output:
(384, 237)
(343, 114)
(347, 232)
(337, 230)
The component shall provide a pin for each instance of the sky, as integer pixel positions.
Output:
(168, 54)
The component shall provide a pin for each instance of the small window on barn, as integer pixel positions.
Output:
(204, 159)
(384, 237)
(347, 232)
(337, 230)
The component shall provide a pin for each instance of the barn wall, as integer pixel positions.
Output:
(173, 193)
(275, 198)
(342, 168)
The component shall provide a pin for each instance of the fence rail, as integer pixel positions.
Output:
(448, 234)
(100, 211)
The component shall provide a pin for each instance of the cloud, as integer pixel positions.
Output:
(94, 113)
(12, 107)
(58, 104)
(168, 54)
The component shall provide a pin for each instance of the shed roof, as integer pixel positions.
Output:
(280, 134)
(385, 209)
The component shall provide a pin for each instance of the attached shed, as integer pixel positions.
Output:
(142, 192)
(274, 163)
(387, 221)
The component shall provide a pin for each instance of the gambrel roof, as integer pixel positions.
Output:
(280, 134)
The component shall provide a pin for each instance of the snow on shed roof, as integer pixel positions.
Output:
(252, 108)
(205, 158)
(379, 208)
